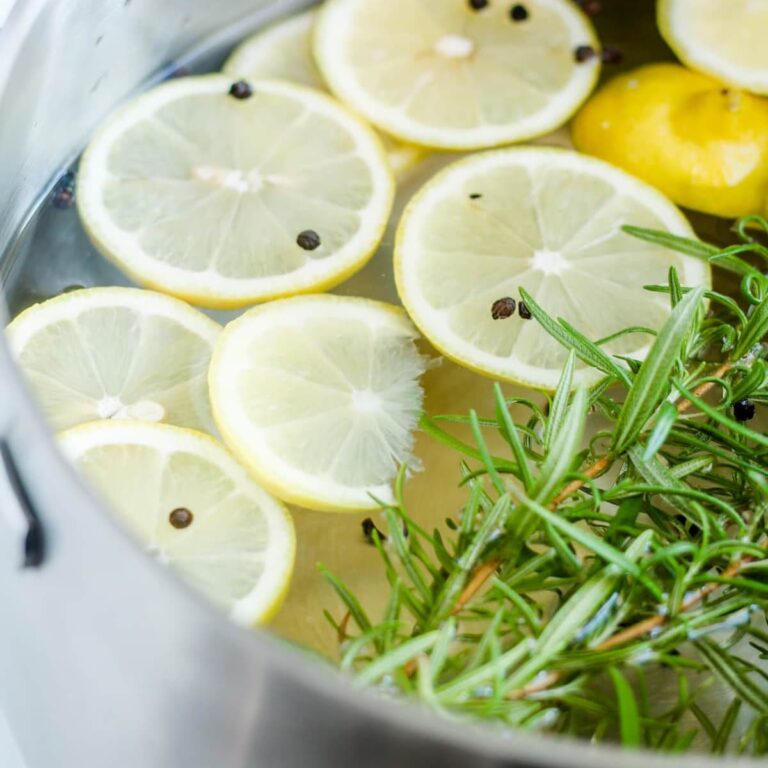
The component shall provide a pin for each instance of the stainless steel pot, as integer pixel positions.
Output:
(105, 658)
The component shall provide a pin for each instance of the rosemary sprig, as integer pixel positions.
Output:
(554, 584)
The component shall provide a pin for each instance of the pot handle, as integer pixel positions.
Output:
(27, 519)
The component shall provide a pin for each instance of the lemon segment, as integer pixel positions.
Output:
(319, 396)
(547, 220)
(206, 196)
(116, 353)
(722, 38)
(283, 51)
(700, 143)
(444, 75)
(194, 508)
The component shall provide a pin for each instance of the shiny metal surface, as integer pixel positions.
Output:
(105, 658)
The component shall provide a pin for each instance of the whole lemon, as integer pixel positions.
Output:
(703, 144)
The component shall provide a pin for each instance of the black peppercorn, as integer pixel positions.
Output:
(241, 90)
(584, 53)
(181, 518)
(611, 55)
(519, 13)
(309, 240)
(478, 5)
(525, 313)
(503, 308)
(63, 196)
(591, 7)
(368, 528)
(744, 410)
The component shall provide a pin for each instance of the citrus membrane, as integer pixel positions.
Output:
(116, 353)
(226, 200)
(443, 74)
(549, 221)
(319, 396)
(194, 508)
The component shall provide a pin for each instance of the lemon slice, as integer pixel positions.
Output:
(319, 397)
(445, 75)
(547, 220)
(283, 51)
(194, 508)
(116, 353)
(226, 201)
(723, 38)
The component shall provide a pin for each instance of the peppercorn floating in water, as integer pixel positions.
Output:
(744, 410)
(503, 308)
(241, 90)
(222, 219)
(413, 78)
(180, 518)
(549, 224)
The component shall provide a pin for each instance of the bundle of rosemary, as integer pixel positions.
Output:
(574, 574)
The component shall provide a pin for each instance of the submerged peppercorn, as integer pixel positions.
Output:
(309, 240)
(519, 13)
(64, 192)
(584, 53)
(180, 518)
(241, 90)
(525, 313)
(368, 528)
(478, 5)
(503, 308)
(744, 410)
(591, 7)
(611, 55)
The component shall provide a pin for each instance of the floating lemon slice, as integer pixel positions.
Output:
(452, 76)
(723, 38)
(319, 397)
(547, 220)
(194, 508)
(226, 199)
(116, 353)
(284, 52)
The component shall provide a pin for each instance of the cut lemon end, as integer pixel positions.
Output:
(283, 51)
(193, 508)
(449, 77)
(118, 353)
(206, 196)
(319, 396)
(703, 145)
(546, 220)
(724, 40)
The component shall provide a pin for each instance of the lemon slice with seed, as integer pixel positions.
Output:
(116, 353)
(283, 51)
(194, 508)
(722, 38)
(447, 75)
(226, 200)
(547, 220)
(319, 397)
